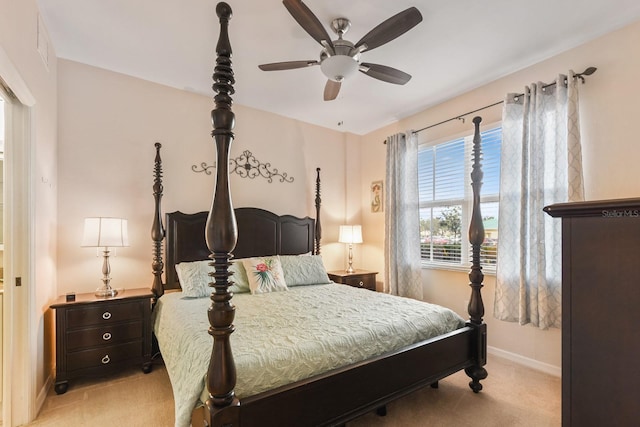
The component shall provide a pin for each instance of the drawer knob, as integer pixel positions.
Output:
(106, 315)
(106, 359)
(361, 284)
(106, 336)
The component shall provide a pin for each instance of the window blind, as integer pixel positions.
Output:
(446, 199)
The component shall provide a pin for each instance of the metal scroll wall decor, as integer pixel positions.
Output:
(247, 166)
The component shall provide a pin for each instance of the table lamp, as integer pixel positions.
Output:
(350, 234)
(105, 233)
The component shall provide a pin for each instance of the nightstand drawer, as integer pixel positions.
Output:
(103, 356)
(365, 281)
(106, 313)
(104, 335)
(358, 279)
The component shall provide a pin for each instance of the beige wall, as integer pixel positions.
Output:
(108, 124)
(609, 112)
(18, 41)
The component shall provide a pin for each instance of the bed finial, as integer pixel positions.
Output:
(477, 371)
(222, 116)
(221, 235)
(157, 229)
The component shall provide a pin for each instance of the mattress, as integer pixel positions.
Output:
(283, 337)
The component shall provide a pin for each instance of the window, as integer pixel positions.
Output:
(446, 200)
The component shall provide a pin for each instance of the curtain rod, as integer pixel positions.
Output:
(580, 76)
(589, 71)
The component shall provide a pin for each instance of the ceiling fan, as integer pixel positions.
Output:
(340, 58)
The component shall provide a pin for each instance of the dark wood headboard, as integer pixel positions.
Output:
(260, 233)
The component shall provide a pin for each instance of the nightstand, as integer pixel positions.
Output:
(99, 336)
(359, 279)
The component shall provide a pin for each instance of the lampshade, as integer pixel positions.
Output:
(350, 234)
(339, 67)
(105, 232)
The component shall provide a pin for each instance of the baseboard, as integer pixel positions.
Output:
(42, 395)
(547, 368)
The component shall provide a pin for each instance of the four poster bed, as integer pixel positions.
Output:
(297, 362)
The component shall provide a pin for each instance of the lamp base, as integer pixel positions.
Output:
(350, 267)
(106, 292)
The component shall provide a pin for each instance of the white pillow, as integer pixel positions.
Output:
(194, 278)
(303, 270)
(239, 277)
(264, 274)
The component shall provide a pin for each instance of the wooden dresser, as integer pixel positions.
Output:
(96, 336)
(600, 301)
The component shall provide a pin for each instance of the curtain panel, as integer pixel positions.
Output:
(541, 165)
(402, 217)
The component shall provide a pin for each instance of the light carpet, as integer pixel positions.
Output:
(513, 395)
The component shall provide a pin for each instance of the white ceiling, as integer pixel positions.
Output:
(459, 45)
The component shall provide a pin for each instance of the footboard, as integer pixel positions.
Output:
(344, 394)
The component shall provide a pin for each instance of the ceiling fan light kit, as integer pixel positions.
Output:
(339, 67)
(340, 59)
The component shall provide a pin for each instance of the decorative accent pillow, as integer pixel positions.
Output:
(194, 278)
(264, 274)
(303, 270)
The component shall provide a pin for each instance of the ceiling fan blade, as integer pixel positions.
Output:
(384, 73)
(287, 65)
(331, 90)
(393, 27)
(308, 21)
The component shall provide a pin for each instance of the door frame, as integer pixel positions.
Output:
(19, 333)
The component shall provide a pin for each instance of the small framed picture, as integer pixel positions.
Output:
(377, 199)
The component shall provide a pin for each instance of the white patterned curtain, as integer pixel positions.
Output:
(402, 217)
(541, 164)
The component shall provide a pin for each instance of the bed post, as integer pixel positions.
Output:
(318, 231)
(157, 229)
(477, 371)
(221, 235)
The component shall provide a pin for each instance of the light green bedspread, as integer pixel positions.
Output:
(282, 337)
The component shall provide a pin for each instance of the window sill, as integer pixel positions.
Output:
(486, 270)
